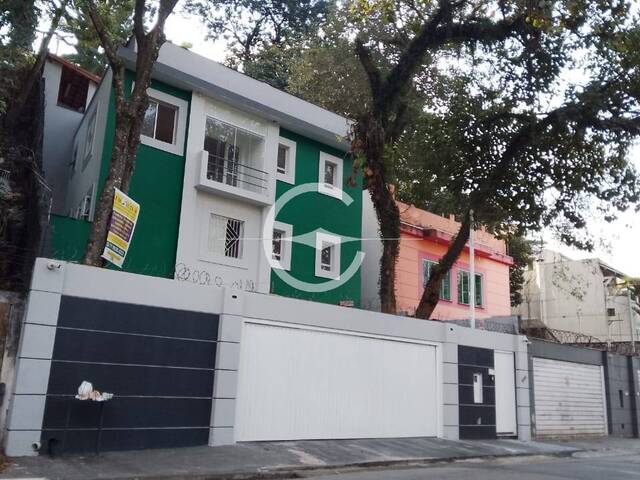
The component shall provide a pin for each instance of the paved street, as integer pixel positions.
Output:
(587, 466)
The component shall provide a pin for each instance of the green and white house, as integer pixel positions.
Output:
(221, 157)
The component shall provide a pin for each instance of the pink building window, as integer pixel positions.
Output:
(445, 285)
(464, 287)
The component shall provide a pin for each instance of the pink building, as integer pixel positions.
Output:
(424, 239)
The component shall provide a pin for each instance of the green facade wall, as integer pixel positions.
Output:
(156, 185)
(68, 237)
(313, 211)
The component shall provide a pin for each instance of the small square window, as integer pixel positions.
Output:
(281, 245)
(286, 160)
(464, 288)
(225, 236)
(165, 122)
(330, 175)
(160, 121)
(445, 284)
(327, 256)
(276, 244)
(73, 90)
(84, 210)
(283, 153)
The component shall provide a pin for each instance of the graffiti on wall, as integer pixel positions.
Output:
(186, 273)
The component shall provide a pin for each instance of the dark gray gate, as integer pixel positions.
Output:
(158, 362)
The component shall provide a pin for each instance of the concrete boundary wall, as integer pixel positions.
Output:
(52, 280)
(241, 307)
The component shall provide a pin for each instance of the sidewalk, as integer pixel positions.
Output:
(269, 459)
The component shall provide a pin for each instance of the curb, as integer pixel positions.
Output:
(282, 473)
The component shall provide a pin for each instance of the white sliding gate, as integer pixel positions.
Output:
(305, 383)
(569, 399)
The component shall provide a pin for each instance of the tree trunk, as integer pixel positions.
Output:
(370, 140)
(431, 294)
(390, 232)
(120, 159)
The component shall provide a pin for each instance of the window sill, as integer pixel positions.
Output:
(477, 307)
(286, 178)
(164, 146)
(225, 261)
(71, 109)
(329, 275)
(330, 191)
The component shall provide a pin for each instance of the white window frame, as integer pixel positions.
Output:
(334, 190)
(177, 147)
(87, 199)
(290, 168)
(285, 261)
(477, 274)
(321, 240)
(89, 146)
(75, 153)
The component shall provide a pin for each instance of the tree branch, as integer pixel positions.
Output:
(138, 21)
(110, 50)
(370, 68)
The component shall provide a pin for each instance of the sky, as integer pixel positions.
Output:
(618, 243)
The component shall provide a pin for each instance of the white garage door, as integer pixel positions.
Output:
(313, 384)
(569, 399)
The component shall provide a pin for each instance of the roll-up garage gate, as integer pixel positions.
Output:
(569, 399)
(300, 383)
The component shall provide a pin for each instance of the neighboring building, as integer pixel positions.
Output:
(68, 89)
(424, 238)
(218, 148)
(586, 297)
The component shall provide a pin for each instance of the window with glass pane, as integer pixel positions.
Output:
(277, 244)
(330, 173)
(445, 284)
(225, 236)
(326, 257)
(160, 121)
(235, 155)
(463, 287)
(283, 155)
(478, 291)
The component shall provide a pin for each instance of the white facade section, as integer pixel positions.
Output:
(191, 71)
(372, 248)
(60, 125)
(505, 388)
(210, 194)
(569, 399)
(83, 174)
(297, 383)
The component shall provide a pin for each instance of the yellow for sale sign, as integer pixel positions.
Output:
(123, 222)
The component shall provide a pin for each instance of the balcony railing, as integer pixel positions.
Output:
(236, 174)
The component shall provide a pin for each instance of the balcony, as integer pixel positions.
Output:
(232, 178)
